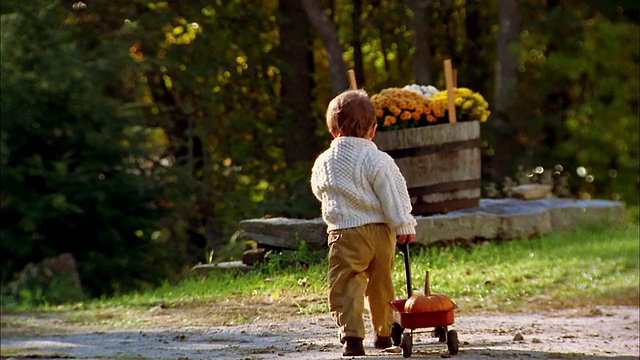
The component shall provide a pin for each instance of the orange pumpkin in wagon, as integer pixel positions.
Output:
(428, 302)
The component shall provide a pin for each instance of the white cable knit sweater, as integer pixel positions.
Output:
(358, 184)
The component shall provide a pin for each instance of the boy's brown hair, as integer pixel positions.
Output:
(351, 114)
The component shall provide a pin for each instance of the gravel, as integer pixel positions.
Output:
(607, 332)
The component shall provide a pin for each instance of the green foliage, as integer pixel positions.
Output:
(136, 132)
(633, 214)
(215, 95)
(56, 290)
(577, 107)
(77, 173)
(628, 10)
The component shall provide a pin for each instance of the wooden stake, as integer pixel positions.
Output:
(448, 74)
(352, 80)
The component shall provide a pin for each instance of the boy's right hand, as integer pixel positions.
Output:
(406, 238)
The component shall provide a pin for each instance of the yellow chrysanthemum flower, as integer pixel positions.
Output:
(469, 105)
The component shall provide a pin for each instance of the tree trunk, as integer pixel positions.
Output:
(476, 69)
(329, 35)
(296, 83)
(505, 91)
(356, 42)
(506, 67)
(422, 52)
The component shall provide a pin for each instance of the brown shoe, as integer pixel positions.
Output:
(382, 342)
(353, 346)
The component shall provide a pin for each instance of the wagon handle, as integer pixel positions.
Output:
(407, 268)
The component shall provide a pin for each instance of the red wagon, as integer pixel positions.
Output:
(439, 320)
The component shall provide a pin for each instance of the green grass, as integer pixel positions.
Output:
(587, 267)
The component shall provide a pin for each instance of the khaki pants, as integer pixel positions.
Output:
(360, 264)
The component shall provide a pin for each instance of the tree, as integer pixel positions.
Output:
(327, 31)
(78, 171)
(506, 64)
(206, 114)
(503, 141)
(296, 82)
(422, 51)
(577, 108)
(356, 41)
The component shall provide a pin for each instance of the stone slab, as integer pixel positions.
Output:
(204, 269)
(492, 219)
(284, 232)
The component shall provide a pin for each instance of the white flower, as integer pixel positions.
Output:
(426, 91)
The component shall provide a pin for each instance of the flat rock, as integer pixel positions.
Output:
(492, 219)
(285, 233)
(532, 191)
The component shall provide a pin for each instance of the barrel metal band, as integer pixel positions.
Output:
(444, 207)
(435, 148)
(445, 187)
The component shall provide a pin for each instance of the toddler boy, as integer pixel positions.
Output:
(367, 209)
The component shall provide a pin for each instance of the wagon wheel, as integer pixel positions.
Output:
(452, 342)
(406, 344)
(441, 333)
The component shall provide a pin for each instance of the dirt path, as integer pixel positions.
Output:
(280, 333)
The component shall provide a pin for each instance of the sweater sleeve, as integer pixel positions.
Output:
(315, 179)
(391, 188)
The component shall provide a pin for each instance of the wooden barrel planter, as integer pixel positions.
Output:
(441, 164)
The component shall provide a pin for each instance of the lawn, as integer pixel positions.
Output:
(589, 266)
